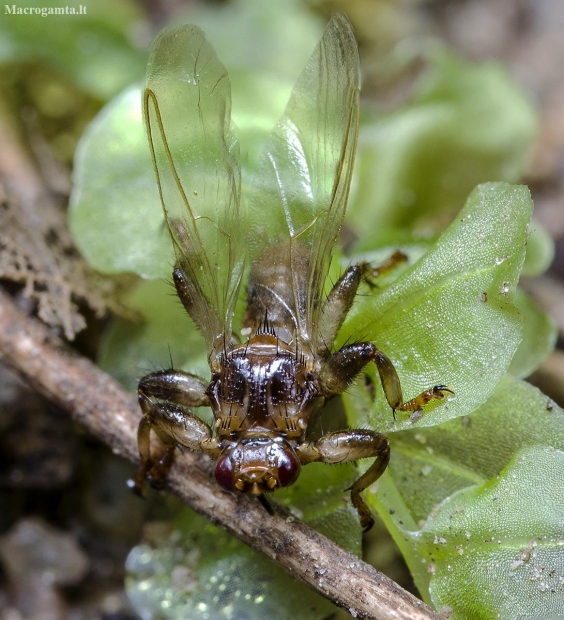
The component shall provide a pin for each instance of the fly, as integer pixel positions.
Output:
(264, 392)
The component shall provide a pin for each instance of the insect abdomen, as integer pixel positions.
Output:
(276, 291)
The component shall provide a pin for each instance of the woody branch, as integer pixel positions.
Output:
(98, 402)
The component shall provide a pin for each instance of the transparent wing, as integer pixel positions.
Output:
(187, 107)
(303, 178)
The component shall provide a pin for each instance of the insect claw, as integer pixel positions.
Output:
(443, 388)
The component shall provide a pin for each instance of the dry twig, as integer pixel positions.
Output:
(98, 402)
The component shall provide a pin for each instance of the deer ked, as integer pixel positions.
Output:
(266, 391)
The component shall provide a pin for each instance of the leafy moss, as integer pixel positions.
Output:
(464, 125)
(478, 491)
(452, 315)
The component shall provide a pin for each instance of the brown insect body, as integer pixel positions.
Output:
(264, 392)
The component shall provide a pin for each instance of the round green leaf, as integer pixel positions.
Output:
(429, 465)
(504, 541)
(115, 211)
(450, 318)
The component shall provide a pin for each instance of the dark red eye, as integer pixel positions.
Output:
(224, 472)
(288, 467)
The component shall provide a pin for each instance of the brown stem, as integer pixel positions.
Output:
(98, 402)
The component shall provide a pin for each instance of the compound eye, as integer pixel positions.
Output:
(224, 473)
(288, 466)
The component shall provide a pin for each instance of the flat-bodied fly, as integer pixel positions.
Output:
(265, 390)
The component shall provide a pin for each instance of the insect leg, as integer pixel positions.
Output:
(152, 466)
(175, 386)
(338, 303)
(341, 297)
(397, 258)
(343, 366)
(170, 421)
(392, 387)
(351, 445)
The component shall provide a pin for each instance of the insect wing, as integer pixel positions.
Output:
(187, 108)
(303, 177)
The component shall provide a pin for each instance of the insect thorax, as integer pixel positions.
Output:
(264, 384)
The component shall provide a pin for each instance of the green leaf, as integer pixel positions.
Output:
(430, 465)
(449, 319)
(93, 49)
(540, 251)
(538, 336)
(466, 124)
(115, 213)
(503, 540)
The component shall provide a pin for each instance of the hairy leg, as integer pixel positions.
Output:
(164, 397)
(352, 445)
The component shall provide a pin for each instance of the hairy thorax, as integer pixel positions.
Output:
(264, 384)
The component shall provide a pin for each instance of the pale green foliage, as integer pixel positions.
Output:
(452, 315)
(482, 523)
(508, 534)
(449, 318)
(95, 50)
(465, 124)
(115, 201)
